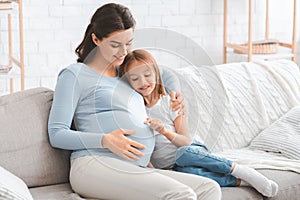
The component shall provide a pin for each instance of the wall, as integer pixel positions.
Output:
(53, 29)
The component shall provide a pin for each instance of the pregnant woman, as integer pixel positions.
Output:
(111, 145)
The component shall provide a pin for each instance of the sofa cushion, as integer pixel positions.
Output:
(288, 187)
(26, 151)
(288, 183)
(12, 187)
(55, 192)
(282, 137)
(240, 193)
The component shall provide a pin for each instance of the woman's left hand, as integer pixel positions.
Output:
(177, 102)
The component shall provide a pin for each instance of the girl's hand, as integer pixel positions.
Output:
(177, 102)
(118, 143)
(155, 124)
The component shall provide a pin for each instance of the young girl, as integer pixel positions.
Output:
(173, 149)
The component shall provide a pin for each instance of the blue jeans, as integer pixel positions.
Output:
(197, 159)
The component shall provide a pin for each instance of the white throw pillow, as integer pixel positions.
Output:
(12, 187)
(282, 137)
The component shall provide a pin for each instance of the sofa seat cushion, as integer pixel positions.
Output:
(240, 193)
(288, 182)
(55, 192)
(26, 151)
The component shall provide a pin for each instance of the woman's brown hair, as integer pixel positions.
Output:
(106, 20)
(146, 58)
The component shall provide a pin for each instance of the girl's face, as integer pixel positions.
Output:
(114, 48)
(141, 78)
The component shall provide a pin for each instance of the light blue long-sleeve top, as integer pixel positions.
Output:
(98, 105)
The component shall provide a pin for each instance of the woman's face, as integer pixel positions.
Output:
(114, 48)
(141, 78)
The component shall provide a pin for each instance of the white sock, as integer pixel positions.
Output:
(262, 184)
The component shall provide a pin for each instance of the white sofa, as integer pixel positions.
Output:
(228, 106)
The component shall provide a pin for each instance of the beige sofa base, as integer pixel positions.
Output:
(289, 188)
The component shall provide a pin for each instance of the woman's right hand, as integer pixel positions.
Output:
(177, 102)
(118, 143)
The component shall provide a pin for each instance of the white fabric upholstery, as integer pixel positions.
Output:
(12, 187)
(282, 137)
(230, 104)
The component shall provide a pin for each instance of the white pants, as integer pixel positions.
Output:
(108, 178)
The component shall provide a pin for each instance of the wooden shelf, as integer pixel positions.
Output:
(283, 53)
(249, 51)
(13, 60)
(5, 5)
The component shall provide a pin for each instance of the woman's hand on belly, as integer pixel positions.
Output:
(118, 143)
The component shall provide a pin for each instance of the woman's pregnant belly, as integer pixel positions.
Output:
(122, 107)
(125, 120)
